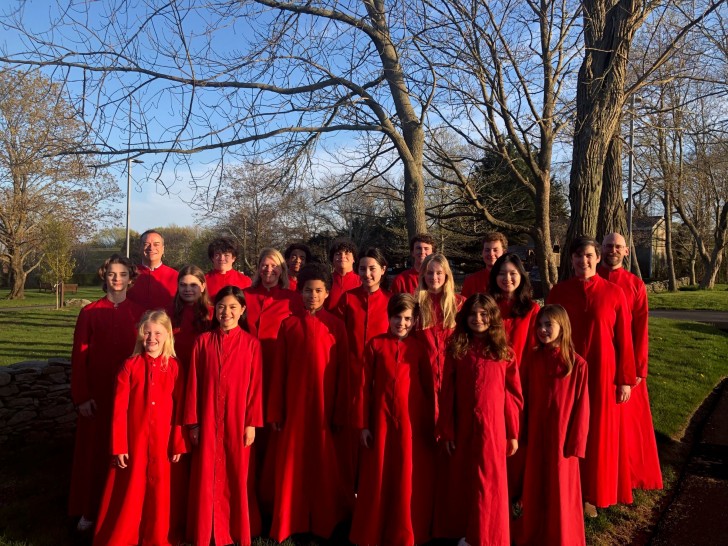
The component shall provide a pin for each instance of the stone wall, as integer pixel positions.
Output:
(661, 286)
(35, 401)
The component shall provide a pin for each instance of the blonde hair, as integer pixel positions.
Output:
(157, 316)
(279, 261)
(558, 314)
(448, 302)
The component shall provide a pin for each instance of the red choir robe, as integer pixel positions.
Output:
(154, 288)
(554, 438)
(521, 333)
(292, 283)
(396, 487)
(104, 337)
(600, 323)
(309, 493)
(135, 508)
(224, 395)
(215, 280)
(480, 408)
(365, 316)
(638, 427)
(476, 283)
(406, 282)
(341, 284)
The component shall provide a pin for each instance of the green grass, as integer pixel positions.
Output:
(36, 334)
(692, 298)
(35, 298)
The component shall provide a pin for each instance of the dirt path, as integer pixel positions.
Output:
(698, 513)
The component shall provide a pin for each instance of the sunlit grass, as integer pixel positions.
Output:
(691, 298)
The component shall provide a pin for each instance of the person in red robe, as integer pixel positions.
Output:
(396, 487)
(342, 256)
(104, 337)
(312, 352)
(146, 437)
(554, 435)
(511, 288)
(223, 405)
(223, 252)
(156, 284)
(638, 427)
(480, 410)
(297, 255)
(600, 322)
(494, 246)
(421, 246)
(191, 314)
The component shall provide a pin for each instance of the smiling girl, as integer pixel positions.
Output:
(146, 437)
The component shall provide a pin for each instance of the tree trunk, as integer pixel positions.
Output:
(542, 237)
(612, 217)
(711, 270)
(669, 255)
(18, 277)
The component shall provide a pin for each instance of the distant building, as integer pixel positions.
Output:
(649, 244)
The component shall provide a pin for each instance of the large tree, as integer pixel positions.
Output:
(38, 180)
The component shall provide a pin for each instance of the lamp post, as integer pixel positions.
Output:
(129, 161)
(630, 177)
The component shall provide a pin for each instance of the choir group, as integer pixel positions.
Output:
(214, 408)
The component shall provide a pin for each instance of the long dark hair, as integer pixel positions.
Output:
(496, 343)
(200, 308)
(239, 295)
(379, 257)
(523, 296)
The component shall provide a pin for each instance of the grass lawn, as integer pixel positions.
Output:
(691, 298)
(687, 360)
(35, 298)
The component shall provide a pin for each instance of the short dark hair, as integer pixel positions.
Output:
(378, 256)
(341, 245)
(117, 259)
(423, 238)
(222, 245)
(150, 232)
(403, 301)
(583, 241)
(297, 246)
(314, 272)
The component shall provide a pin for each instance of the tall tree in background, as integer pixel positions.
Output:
(38, 180)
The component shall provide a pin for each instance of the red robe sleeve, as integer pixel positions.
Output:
(445, 428)
(178, 442)
(80, 391)
(254, 403)
(623, 341)
(342, 359)
(427, 383)
(119, 423)
(368, 383)
(275, 412)
(578, 428)
(190, 415)
(514, 399)
(640, 338)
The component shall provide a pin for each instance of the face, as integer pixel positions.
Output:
(223, 261)
(117, 278)
(190, 288)
(153, 249)
(478, 320)
(435, 277)
(585, 262)
(155, 335)
(228, 311)
(296, 261)
(492, 250)
(343, 261)
(401, 324)
(420, 251)
(371, 273)
(614, 250)
(314, 295)
(508, 278)
(269, 272)
(547, 330)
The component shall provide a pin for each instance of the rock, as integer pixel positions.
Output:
(35, 436)
(51, 369)
(9, 390)
(29, 364)
(58, 388)
(59, 361)
(5, 378)
(77, 302)
(57, 411)
(20, 402)
(69, 418)
(21, 417)
(23, 376)
(58, 378)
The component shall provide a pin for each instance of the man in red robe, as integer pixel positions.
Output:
(342, 256)
(312, 350)
(222, 253)
(156, 284)
(600, 320)
(494, 246)
(421, 246)
(638, 427)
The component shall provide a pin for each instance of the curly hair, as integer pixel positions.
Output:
(495, 341)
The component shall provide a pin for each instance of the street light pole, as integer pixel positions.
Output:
(630, 177)
(129, 161)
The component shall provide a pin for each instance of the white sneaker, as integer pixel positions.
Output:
(84, 525)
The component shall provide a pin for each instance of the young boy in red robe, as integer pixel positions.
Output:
(312, 351)
(421, 246)
(342, 255)
(146, 438)
(223, 252)
(396, 481)
(495, 245)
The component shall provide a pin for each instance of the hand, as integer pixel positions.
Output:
(450, 447)
(87, 409)
(366, 438)
(121, 459)
(195, 435)
(176, 457)
(511, 447)
(639, 380)
(623, 393)
(248, 436)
